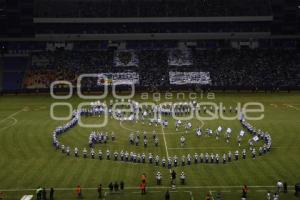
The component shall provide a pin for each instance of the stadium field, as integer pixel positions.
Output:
(28, 159)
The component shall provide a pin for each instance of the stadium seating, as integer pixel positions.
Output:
(137, 8)
(228, 68)
(113, 28)
(13, 73)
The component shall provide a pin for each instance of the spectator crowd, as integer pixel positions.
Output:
(227, 68)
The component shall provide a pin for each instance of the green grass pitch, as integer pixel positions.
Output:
(28, 159)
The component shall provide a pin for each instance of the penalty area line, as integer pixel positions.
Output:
(15, 121)
(12, 115)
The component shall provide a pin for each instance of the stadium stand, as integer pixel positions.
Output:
(13, 73)
(228, 68)
(191, 27)
(136, 8)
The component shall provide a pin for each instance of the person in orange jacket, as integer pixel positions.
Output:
(143, 187)
(78, 192)
(245, 191)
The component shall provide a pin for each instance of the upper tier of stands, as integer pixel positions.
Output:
(155, 8)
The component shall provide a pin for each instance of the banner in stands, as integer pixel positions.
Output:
(184, 78)
(178, 57)
(118, 78)
(126, 59)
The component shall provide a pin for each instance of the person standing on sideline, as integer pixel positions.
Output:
(167, 195)
(279, 186)
(245, 191)
(51, 194)
(111, 187)
(39, 193)
(78, 192)
(116, 186)
(143, 187)
(99, 190)
(44, 194)
(285, 187)
(122, 185)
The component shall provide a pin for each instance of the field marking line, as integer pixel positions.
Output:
(124, 127)
(226, 147)
(211, 194)
(202, 124)
(165, 141)
(136, 192)
(9, 121)
(12, 115)
(291, 106)
(191, 194)
(104, 195)
(153, 187)
(286, 147)
(166, 146)
(224, 191)
(260, 190)
(274, 105)
(267, 190)
(10, 125)
(187, 148)
(147, 192)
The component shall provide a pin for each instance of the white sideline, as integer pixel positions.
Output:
(151, 187)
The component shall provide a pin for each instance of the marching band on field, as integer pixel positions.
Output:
(168, 162)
